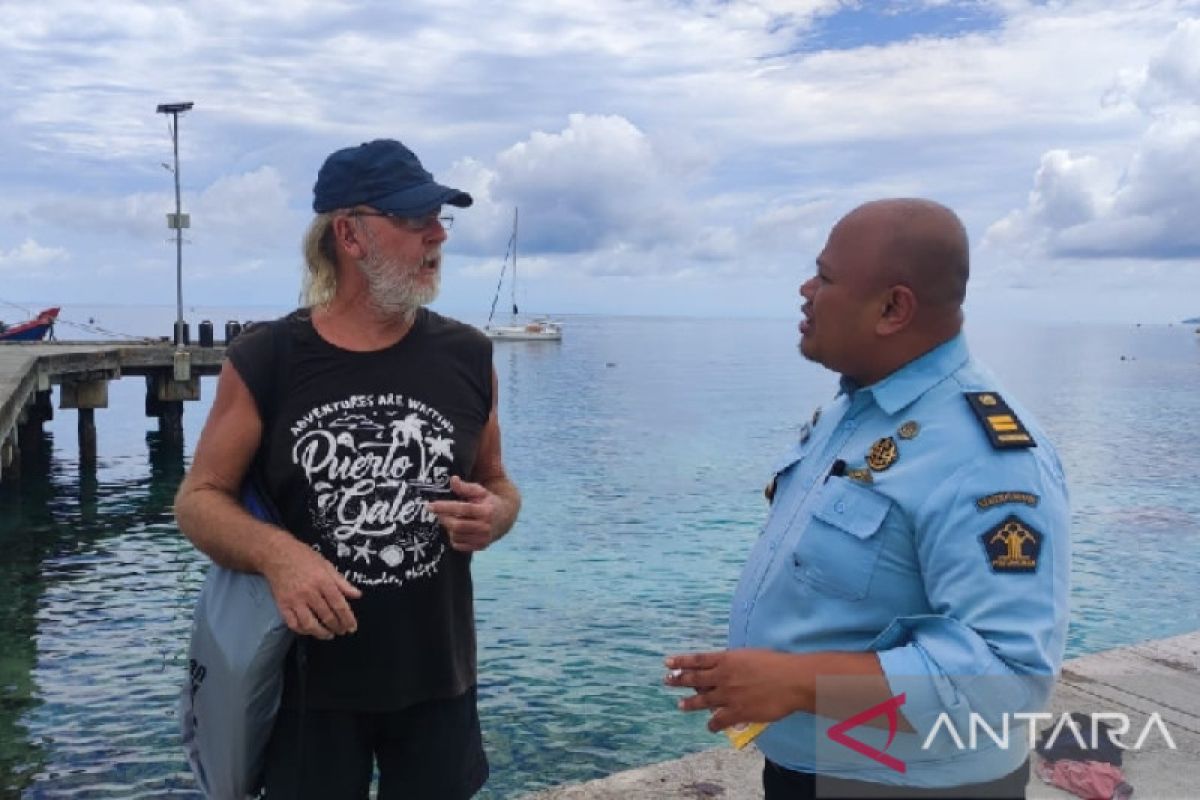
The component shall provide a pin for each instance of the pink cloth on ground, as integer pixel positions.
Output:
(1091, 780)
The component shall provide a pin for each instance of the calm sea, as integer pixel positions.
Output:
(641, 446)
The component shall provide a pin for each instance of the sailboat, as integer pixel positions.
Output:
(538, 330)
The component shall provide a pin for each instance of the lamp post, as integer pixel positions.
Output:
(177, 221)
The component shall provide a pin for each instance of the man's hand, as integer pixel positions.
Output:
(310, 593)
(740, 686)
(471, 521)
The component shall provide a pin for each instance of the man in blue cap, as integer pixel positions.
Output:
(911, 581)
(371, 422)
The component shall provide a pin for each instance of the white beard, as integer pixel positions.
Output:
(396, 288)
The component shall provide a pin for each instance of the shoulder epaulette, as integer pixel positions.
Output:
(1002, 426)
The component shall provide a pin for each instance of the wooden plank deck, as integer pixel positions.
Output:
(27, 368)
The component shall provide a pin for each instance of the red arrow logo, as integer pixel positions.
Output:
(890, 707)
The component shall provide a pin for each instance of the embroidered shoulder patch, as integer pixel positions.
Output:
(1013, 546)
(1005, 498)
(999, 422)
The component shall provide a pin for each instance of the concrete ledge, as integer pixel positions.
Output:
(1160, 677)
(723, 773)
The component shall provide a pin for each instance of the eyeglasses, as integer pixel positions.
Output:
(414, 224)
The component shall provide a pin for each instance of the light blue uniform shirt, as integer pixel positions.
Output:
(951, 563)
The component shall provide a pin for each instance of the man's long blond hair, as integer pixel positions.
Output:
(320, 260)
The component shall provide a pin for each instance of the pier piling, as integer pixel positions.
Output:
(10, 456)
(29, 436)
(87, 435)
(170, 421)
(85, 394)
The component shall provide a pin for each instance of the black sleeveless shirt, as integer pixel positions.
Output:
(354, 445)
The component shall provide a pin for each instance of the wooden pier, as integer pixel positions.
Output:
(82, 371)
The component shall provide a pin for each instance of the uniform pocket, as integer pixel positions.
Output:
(837, 553)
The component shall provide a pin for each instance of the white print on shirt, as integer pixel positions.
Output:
(372, 462)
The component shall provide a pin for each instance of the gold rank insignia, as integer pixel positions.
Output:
(909, 430)
(1003, 428)
(1012, 546)
(882, 454)
(860, 474)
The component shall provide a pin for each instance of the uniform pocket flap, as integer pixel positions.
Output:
(852, 508)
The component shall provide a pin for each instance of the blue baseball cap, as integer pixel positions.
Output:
(383, 174)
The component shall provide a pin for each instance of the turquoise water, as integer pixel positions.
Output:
(641, 446)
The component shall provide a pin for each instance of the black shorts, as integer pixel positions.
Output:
(431, 750)
(780, 783)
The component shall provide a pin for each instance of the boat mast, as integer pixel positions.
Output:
(514, 255)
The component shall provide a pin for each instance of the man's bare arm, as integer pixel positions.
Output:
(310, 593)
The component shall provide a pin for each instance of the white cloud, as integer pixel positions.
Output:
(1173, 75)
(1143, 207)
(1067, 191)
(242, 208)
(697, 142)
(235, 209)
(598, 185)
(31, 255)
(141, 215)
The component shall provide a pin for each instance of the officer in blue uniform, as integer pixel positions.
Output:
(905, 609)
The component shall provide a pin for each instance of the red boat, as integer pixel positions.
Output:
(32, 331)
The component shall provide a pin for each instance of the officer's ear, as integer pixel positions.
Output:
(898, 310)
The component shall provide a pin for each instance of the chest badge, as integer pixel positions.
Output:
(909, 430)
(882, 454)
(860, 474)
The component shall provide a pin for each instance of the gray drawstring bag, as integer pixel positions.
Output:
(235, 675)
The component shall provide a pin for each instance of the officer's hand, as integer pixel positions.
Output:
(470, 520)
(739, 686)
(310, 593)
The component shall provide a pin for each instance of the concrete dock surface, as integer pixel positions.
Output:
(1153, 678)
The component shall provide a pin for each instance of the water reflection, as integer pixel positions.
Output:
(27, 534)
(641, 467)
(95, 596)
(166, 451)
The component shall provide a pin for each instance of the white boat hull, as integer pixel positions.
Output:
(535, 332)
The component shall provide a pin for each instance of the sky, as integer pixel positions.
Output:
(668, 157)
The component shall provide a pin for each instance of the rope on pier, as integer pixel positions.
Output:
(83, 326)
(91, 328)
(22, 309)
